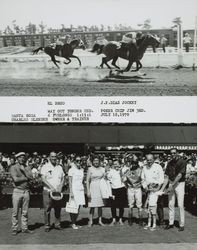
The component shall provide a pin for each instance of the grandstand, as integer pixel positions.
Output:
(89, 37)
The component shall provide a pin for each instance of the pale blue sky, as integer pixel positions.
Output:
(96, 12)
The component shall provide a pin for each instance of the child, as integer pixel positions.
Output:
(151, 202)
(152, 179)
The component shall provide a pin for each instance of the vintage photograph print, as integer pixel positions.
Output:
(111, 186)
(98, 48)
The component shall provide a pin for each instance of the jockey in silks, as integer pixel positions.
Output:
(60, 41)
(131, 38)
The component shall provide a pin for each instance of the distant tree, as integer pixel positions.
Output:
(30, 28)
(16, 28)
(140, 25)
(85, 28)
(42, 27)
(63, 26)
(177, 20)
(109, 28)
(8, 31)
(102, 27)
(71, 27)
(147, 24)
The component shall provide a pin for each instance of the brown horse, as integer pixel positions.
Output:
(130, 52)
(65, 51)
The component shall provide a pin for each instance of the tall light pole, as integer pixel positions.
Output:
(195, 38)
(195, 34)
(178, 23)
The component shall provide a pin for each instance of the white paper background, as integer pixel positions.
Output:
(157, 109)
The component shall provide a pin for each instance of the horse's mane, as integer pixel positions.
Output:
(75, 41)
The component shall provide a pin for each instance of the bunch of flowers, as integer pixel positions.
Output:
(35, 184)
(191, 180)
(6, 179)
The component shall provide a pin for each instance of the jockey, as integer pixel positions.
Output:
(101, 40)
(130, 37)
(60, 41)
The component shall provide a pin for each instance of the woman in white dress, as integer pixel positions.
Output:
(76, 187)
(94, 176)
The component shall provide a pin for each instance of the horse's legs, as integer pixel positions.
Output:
(68, 60)
(114, 62)
(54, 61)
(128, 66)
(73, 56)
(104, 61)
(138, 66)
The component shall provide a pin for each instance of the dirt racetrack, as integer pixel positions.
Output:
(93, 82)
(22, 74)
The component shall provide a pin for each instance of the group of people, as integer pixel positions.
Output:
(118, 181)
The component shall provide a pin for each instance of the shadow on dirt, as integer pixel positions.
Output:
(127, 79)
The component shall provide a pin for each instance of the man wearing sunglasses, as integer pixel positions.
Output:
(175, 179)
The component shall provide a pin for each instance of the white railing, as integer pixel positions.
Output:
(150, 59)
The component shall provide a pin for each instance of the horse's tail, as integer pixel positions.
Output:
(37, 50)
(100, 50)
(96, 48)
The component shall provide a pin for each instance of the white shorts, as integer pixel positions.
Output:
(152, 210)
(134, 196)
(152, 200)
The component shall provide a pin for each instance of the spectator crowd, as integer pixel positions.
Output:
(121, 180)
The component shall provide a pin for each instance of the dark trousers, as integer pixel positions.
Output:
(160, 209)
(48, 204)
(113, 212)
(119, 201)
(164, 48)
(187, 47)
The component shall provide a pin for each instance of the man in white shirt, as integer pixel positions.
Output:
(53, 180)
(118, 192)
(187, 40)
(152, 179)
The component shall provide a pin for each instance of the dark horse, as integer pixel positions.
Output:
(130, 52)
(65, 51)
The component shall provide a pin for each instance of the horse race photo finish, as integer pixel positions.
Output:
(98, 48)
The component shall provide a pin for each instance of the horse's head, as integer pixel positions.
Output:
(97, 48)
(77, 43)
(81, 44)
(153, 40)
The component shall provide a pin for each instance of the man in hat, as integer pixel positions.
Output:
(53, 179)
(187, 40)
(21, 175)
(163, 42)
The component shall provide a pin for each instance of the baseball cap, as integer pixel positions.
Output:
(20, 154)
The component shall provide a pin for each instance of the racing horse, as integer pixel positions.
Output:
(65, 51)
(130, 52)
